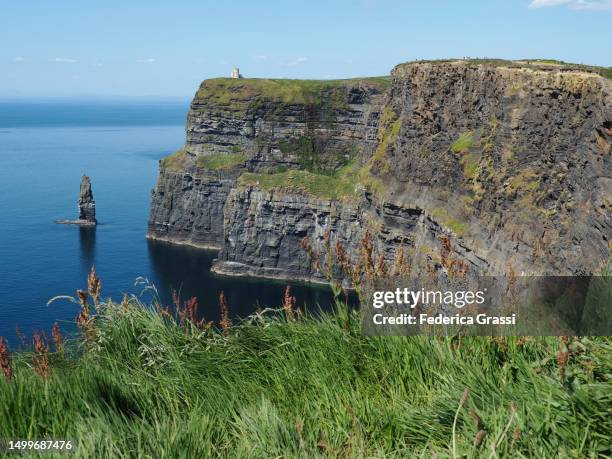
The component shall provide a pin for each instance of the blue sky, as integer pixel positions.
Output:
(165, 48)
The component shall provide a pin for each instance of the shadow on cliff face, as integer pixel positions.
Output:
(87, 241)
(187, 270)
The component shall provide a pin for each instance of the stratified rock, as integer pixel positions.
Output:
(510, 159)
(258, 131)
(87, 205)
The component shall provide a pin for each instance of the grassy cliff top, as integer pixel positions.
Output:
(230, 90)
(539, 64)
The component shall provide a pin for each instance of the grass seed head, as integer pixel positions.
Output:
(479, 438)
(40, 359)
(94, 286)
(289, 304)
(6, 360)
(225, 319)
(58, 339)
(191, 306)
(464, 396)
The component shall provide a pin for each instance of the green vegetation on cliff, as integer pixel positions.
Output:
(442, 215)
(180, 160)
(469, 159)
(176, 161)
(339, 185)
(230, 91)
(371, 175)
(389, 128)
(605, 72)
(143, 384)
(463, 143)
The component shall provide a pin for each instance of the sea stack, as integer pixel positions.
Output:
(87, 205)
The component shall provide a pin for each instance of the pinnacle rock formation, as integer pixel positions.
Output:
(87, 205)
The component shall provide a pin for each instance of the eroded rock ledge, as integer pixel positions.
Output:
(512, 160)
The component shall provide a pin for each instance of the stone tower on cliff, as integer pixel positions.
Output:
(87, 205)
(236, 73)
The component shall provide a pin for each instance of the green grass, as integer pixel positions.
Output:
(340, 185)
(458, 227)
(463, 143)
(371, 175)
(228, 91)
(390, 125)
(176, 161)
(470, 162)
(221, 160)
(317, 387)
(470, 159)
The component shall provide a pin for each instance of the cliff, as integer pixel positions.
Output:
(510, 159)
(242, 128)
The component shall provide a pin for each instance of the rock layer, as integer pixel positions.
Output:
(510, 160)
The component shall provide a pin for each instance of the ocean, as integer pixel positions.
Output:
(45, 148)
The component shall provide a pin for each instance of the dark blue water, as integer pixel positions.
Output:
(44, 150)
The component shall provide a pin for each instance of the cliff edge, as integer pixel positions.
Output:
(511, 159)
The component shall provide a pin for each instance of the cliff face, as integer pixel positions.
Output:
(187, 204)
(511, 160)
(258, 126)
(516, 159)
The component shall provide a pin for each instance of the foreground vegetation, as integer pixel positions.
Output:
(143, 382)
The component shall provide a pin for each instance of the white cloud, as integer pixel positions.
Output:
(601, 5)
(260, 57)
(545, 3)
(63, 60)
(149, 60)
(19, 59)
(297, 61)
(589, 5)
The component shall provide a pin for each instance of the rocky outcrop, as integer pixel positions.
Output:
(87, 205)
(511, 160)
